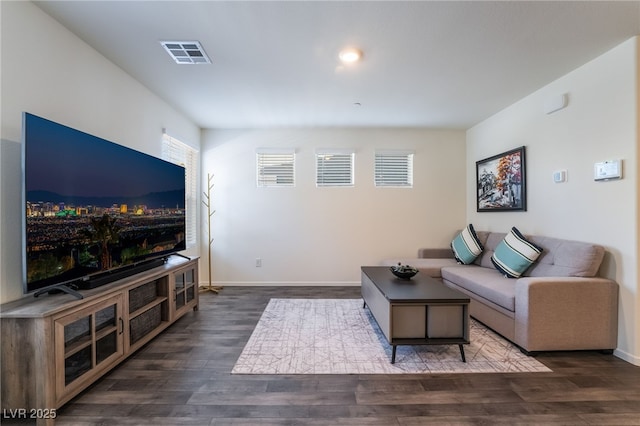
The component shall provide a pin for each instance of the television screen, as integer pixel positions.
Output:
(92, 207)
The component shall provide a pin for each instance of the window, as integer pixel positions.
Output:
(334, 167)
(275, 167)
(180, 153)
(394, 169)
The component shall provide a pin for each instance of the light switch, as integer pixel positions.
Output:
(560, 176)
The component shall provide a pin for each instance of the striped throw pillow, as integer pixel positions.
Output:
(515, 254)
(466, 246)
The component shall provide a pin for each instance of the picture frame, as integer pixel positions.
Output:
(501, 182)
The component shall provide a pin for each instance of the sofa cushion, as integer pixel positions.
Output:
(515, 254)
(428, 267)
(566, 258)
(559, 258)
(466, 246)
(490, 241)
(486, 283)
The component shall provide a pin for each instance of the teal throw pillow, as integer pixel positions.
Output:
(466, 246)
(515, 254)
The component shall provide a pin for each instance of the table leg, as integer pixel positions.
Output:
(462, 353)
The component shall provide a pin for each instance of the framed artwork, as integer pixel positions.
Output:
(500, 182)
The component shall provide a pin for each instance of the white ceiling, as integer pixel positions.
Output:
(426, 63)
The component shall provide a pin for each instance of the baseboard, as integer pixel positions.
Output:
(635, 360)
(283, 283)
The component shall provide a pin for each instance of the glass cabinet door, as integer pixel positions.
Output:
(185, 291)
(87, 340)
(106, 333)
(190, 285)
(77, 348)
(180, 295)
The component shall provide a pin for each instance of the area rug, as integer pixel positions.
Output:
(339, 336)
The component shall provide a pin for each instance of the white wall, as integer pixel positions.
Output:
(321, 236)
(48, 71)
(600, 123)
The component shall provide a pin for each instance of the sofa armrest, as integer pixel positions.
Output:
(566, 313)
(435, 253)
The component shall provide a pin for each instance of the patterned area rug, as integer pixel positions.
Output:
(338, 336)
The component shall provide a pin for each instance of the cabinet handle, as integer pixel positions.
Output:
(121, 325)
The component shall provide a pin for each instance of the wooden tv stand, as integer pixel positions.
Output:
(55, 346)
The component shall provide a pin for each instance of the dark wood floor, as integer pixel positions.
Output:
(183, 378)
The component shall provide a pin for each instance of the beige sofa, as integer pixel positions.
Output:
(558, 304)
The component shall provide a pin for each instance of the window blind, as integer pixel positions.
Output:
(394, 169)
(275, 167)
(334, 168)
(180, 153)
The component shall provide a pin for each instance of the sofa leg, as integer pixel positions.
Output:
(607, 351)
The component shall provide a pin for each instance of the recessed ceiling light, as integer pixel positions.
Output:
(350, 55)
(186, 52)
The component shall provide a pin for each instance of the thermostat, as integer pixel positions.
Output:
(607, 170)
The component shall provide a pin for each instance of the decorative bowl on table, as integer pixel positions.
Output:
(403, 271)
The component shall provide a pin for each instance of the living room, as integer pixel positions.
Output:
(320, 236)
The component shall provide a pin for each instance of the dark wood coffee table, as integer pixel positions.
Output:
(418, 311)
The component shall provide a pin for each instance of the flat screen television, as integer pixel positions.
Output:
(94, 211)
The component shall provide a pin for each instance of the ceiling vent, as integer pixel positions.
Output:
(186, 52)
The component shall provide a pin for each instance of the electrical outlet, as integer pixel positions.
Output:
(258, 262)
